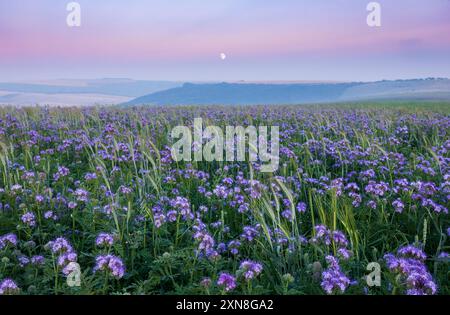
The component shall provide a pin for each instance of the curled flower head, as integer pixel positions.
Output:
(340, 239)
(301, 207)
(29, 219)
(398, 205)
(412, 252)
(206, 282)
(9, 239)
(250, 269)
(104, 239)
(37, 260)
(23, 260)
(111, 264)
(420, 284)
(322, 235)
(8, 287)
(60, 245)
(410, 266)
(227, 281)
(66, 258)
(233, 247)
(70, 267)
(249, 233)
(50, 215)
(344, 253)
(81, 194)
(333, 279)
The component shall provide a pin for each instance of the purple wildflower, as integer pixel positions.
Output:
(81, 194)
(333, 279)
(206, 242)
(250, 269)
(29, 219)
(412, 252)
(72, 205)
(227, 281)
(23, 260)
(111, 264)
(8, 287)
(322, 235)
(50, 215)
(301, 207)
(233, 247)
(409, 264)
(182, 205)
(60, 245)
(339, 239)
(249, 233)
(8, 239)
(398, 205)
(38, 260)
(66, 258)
(206, 282)
(104, 239)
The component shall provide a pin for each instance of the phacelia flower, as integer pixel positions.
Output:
(398, 206)
(8, 239)
(233, 247)
(249, 233)
(37, 260)
(339, 239)
(67, 258)
(333, 279)
(250, 269)
(104, 239)
(412, 252)
(206, 282)
(59, 245)
(8, 287)
(301, 207)
(29, 219)
(111, 264)
(50, 215)
(322, 235)
(227, 281)
(409, 264)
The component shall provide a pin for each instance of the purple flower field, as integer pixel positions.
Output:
(92, 202)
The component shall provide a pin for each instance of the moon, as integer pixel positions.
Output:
(223, 56)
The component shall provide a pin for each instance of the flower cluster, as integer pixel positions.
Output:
(66, 254)
(29, 219)
(409, 263)
(104, 239)
(227, 281)
(250, 269)
(333, 279)
(8, 287)
(9, 239)
(110, 264)
(326, 237)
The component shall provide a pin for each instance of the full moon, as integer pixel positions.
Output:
(223, 56)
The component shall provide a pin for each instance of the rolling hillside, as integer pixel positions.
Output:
(254, 93)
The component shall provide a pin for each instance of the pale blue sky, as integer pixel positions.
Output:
(263, 40)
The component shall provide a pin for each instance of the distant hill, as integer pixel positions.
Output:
(70, 92)
(118, 87)
(76, 92)
(298, 93)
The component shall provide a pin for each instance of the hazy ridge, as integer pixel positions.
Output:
(129, 92)
(253, 93)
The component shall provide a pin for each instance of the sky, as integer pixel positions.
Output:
(263, 40)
